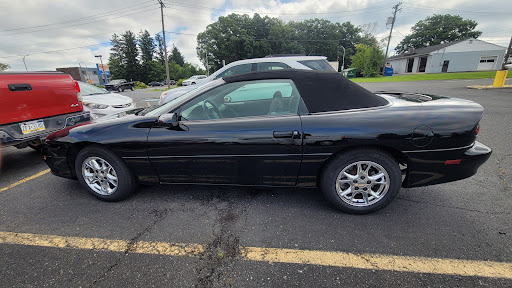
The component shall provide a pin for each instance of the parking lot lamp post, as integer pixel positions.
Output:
(103, 69)
(343, 60)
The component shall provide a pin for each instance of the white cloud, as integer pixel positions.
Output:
(193, 16)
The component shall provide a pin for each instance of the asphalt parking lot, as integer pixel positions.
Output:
(53, 233)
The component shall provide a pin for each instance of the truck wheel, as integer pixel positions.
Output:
(361, 181)
(104, 174)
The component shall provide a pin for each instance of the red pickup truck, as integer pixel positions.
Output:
(35, 104)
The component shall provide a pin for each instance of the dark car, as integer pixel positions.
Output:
(119, 85)
(287, 128)
(171, 82)
(155, 83)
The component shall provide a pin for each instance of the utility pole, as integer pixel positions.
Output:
(395, 9)
(501, 75)
(162, 5)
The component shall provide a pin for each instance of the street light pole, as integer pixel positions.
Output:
(103, 69)
(343, 60)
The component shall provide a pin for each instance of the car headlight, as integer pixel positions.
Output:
(96, 106)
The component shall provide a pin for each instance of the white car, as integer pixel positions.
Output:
(196, 79)
(256, 64)
(100, 102)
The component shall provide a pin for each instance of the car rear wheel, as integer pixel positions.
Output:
(104, 174)
(361, 181)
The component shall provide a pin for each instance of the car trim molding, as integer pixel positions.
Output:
(228, 155)
(434, 150)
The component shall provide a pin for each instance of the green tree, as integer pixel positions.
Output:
(368, 59)
(176, 56)
(131, 54)
(115, 60)
(235, 37)
(438, 29)
(147, 49)
(4, 66)
(160, 51)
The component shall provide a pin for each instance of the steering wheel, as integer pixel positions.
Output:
(215, 114)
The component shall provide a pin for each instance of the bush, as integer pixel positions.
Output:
(179, 82)
(140, 85)
(368, 60)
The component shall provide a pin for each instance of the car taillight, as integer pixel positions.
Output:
(477, 129)
(78, 94)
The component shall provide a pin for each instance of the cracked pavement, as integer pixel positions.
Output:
(469, 219)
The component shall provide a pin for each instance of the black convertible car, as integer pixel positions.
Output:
(278, 128)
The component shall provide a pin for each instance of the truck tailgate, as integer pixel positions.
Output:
(37, 95)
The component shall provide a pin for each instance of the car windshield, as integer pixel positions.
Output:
(184, 98)
(320, 65)
(88, 89)
(118, 81)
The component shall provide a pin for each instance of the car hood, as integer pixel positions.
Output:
(108, 99)
(173, 93)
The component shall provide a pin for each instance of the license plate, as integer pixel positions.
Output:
(32, 126)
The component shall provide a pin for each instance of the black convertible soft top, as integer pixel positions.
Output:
(321, 91)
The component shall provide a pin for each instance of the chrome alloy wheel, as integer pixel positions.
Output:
(99, 175)
(362, 183)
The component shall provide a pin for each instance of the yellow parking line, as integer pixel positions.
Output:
(383, 262)
(25, 180)
(293, 256)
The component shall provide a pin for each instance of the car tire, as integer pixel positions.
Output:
(118, 89)
(131, 88)
(99, 179)
(350, 176)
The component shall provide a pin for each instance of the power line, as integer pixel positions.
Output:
(112, 12)
(431, 8)
(79, 24)
(264, 12)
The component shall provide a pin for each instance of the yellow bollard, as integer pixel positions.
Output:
(499, 80)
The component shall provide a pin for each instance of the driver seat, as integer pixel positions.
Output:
(277, 105)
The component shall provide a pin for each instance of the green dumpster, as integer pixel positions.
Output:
(350, 72)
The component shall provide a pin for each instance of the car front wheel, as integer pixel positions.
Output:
(361, 181)
(104, 174)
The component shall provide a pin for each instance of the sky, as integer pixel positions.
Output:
(48, 34)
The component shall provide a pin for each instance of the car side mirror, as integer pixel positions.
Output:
(168, 119)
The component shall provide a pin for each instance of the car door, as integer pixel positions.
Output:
(232, 145)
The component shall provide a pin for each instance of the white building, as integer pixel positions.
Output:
(458, 56)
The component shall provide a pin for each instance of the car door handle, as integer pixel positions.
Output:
(287, 134)
(19, 87)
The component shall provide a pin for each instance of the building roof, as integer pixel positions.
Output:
(425, 50)
(321, 91)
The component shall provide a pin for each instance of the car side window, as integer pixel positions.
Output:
(266, 66)
(243, 99)
(239, 69)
